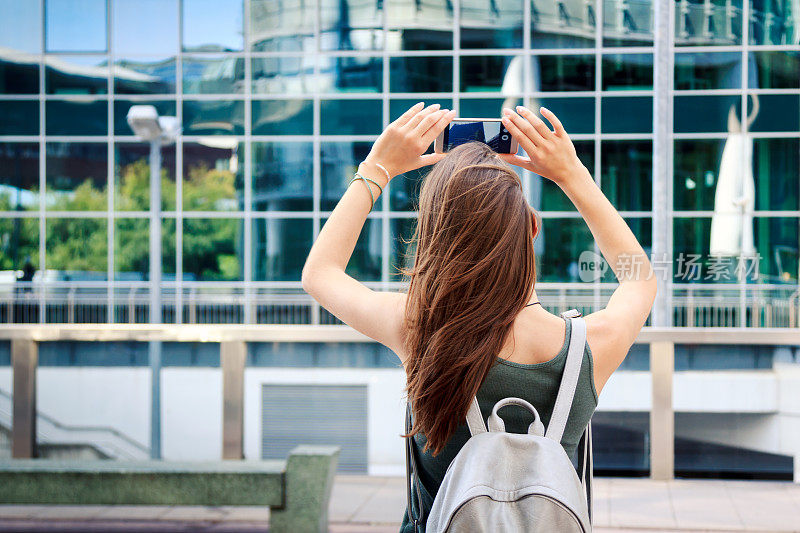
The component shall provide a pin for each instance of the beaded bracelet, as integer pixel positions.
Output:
(372, 196)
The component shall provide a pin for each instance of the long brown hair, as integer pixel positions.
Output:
(473, 272)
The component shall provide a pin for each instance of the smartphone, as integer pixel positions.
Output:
(489, 131)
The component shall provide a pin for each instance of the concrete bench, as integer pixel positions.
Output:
(297, 490)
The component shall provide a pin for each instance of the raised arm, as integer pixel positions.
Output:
(550, 153)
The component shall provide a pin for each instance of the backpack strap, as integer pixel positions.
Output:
(412, 481)
(569, 380)
(475, 418)
(586, 466)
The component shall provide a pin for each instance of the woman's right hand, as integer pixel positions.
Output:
(549, 153)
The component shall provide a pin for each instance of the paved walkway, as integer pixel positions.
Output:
(376, 504)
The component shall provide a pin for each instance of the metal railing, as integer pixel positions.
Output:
(693, 305)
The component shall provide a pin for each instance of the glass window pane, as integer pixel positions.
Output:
(132, 177)
(208, 117)
(76, 118)
(627, 72)
(562, 73)
(212, 177)
(280, 248)
(486, 107)
(19, 72)
(121, 107)
(701, 71)
(351, 74)
(350, 25)
(365, 263)
(25, 32)
(19, 176)
(774, 112)
(77, 176)
(339, 162)
(491, 74)
(696, 168)
(777, 70)
(774, 22)
(776, 241)
(627, 115)
(702, 166)
(403, 246)
(76, 25)
(283, 175)
(19, 117)
(213, 75)
(776, 172)
(420, 74)
(627, 178)
(213, 249)
(350, 117)
(77, 245)
(400, 105)
(212, 25)
(769, 241)
(708, 22)
(76, 74)
(283, 117)
(628, 23)
(419, 25)
(142, 75)
(282, 26)
(704, 113)
(132, 249)
(560, 243)
(19, 246)
(547, 196)
(145, 26)
(556, 24)
(405, 189)
(505, 30)
(279, 75)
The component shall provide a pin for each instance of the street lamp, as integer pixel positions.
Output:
(149, 127)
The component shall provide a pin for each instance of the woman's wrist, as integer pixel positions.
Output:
(374, 171)
(575, 178)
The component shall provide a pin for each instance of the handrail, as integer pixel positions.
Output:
(75, 428)
(343, 333)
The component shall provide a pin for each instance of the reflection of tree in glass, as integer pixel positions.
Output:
(207, 189)
(76, 243)
(18, 240)
(209, 248)
(134, 189)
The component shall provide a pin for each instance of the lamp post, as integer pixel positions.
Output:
(149, 127)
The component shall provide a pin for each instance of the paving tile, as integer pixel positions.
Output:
(184, 513)
(602, 501)
(349, 495)
(701, 504)
(765, 506)
(132, 512)
(640, 503)
(20, 511)
(387, 505)
(67, 512)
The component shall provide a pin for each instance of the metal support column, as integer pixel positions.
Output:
(155, 297)
(662, 414)
(232, 359)
(24, 360)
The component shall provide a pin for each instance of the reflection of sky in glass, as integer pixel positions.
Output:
(26, 31)
(76, 25)
(212, 25)
(145, 26)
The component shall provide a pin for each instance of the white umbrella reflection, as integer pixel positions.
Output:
(734, 200)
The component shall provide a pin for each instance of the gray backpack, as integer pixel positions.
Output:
(514, 482)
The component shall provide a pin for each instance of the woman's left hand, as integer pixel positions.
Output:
(401, 147)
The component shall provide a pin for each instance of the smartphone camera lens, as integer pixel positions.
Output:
(504, 137)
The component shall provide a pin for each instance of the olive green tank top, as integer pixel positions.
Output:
(538, 384)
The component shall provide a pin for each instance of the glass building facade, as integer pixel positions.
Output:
(279, 102)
